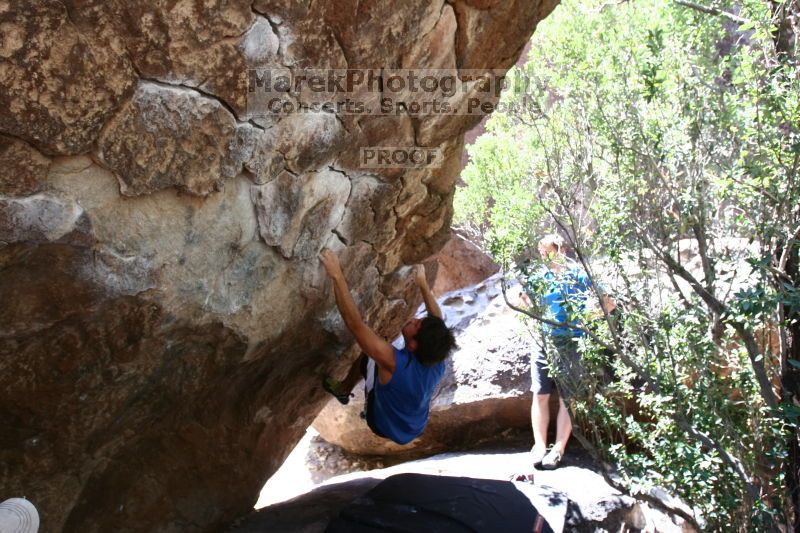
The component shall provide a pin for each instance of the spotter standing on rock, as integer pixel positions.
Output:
(565, 285)
(400, 382)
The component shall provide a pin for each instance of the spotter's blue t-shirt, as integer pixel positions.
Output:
(565, 292)
(401, 407)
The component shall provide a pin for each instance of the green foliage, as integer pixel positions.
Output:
(647, 132)
(498, 183)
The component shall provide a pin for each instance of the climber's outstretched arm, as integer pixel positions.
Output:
(430, 302)
(369, 341)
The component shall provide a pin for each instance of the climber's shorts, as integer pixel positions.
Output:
(570, 370)
(369, 371)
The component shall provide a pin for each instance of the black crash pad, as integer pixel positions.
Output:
(440, 504)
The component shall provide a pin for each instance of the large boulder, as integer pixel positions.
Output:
(484, 395)
(460, 264)
(164, 321)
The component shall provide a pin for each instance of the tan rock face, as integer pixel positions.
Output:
(58, 86)
(296, 214)
(22, 168)
(504, 20)
(164, 320)
(194, 44)
(170, 137)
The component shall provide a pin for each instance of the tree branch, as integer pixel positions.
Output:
(712, 11)
(552, 322)
(730, 460)
(753, 352)
(787, 250)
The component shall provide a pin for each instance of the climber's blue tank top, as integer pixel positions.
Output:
(401, 407)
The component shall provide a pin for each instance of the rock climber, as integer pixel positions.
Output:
(563, 291)
(400, 382)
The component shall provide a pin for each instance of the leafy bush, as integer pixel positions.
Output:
(662, 140)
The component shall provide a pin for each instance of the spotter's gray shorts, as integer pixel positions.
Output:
(568, 362)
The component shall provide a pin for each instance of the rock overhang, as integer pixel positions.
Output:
(165, 319)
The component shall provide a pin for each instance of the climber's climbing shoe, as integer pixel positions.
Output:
(332, 387)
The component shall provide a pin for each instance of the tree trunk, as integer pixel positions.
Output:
(786, 15)
(790, 394)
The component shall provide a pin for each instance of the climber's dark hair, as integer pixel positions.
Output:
(435, 341)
